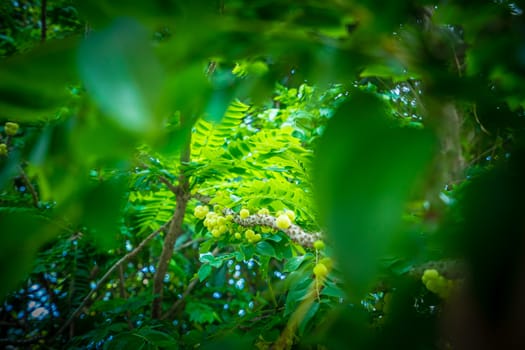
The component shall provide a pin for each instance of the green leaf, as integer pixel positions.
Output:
(331, 289)
(200, 313)
(365, 172)
(102, 206)
(23, 233)
(294, 263)
(264, 248)
(204, 271)
(122, 75)
(33, 85)
(158, 338)
(308, 316)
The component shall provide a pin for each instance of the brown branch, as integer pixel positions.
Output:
(171, 187)
(108, 273)
(174, 231)
(43, 21)
(295, 232)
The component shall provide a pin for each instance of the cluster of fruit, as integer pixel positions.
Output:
(436, 283)
(10, 129)
(218, 222)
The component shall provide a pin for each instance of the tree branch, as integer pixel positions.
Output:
(175, 230)
(30, 187)
(171, 187)
(295, 232)
(108, 273)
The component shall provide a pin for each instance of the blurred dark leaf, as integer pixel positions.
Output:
(34, 85)
(23, 233)
(365, 171)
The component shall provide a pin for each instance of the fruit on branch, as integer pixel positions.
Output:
(283, 222)
(437, 283)
(320, 270)
(252, 237)
(290, 214)
(3, 149)
(327, 262)
(244, 213)
(263, 211)
(201, 211)
(11, 128)
(319, 245)
(226, 220)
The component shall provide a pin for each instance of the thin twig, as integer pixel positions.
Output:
(171, 187)
(30, 186)
(108, 273)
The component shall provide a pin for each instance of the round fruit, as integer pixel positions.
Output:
(3, 149)
(11, 128)
(319, 245)
(290, 214)
(263, 211)
(429, 274)
(201, 211)
(283, 222)
(320, 270)
(244, 213)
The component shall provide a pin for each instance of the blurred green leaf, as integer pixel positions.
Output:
(365, 171)
(102, 205)
(23, 233)
(122, 75)
(34, 85)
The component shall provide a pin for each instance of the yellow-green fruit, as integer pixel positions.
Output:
(237, 235)
(263, 211)
(320, 270)
(319, 245)
(283, 222)
(3, 149)
(249, 234)
(256, 238)
(215, 233)
(200, 211)
(11, 128)
(327, 262)
(244, 213)
(266, 229)
(429, 274)
(290, 214)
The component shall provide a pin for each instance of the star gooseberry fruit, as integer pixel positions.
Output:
(320, 270)
(201, 211)
(319, 245)
(3, 149)
(244, 213)
(283, 222)
(11, 128)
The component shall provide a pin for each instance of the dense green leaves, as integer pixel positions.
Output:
(158, 145)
